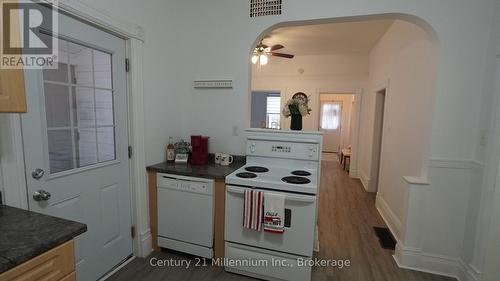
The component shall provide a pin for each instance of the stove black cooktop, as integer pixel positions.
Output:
(296, 180)
(246, 175)
(257, 169)
(301, 173)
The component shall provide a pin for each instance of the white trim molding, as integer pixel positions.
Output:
(416, 259)
(137, 141)
(12, 162)
(440, 202)
(105, 21)
(389, 217)
(365, 180)
(454, 163)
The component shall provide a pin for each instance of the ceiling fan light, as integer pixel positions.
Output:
(255, 58)
(263, 59)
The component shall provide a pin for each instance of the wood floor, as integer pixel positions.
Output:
(347, 215)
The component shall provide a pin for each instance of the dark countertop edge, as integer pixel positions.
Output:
(231, 168)
(45, 248)
(199, 171)
(7, 263)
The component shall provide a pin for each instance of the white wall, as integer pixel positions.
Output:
(402, 62)
(162, 100)
(340, 73)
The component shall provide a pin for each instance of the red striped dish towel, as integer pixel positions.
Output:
(274, 213)
(252, 209)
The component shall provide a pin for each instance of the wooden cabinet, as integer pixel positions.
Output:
(12, 93)
(57, 264)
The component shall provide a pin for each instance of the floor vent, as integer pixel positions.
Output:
(385, 238)
(259, 8)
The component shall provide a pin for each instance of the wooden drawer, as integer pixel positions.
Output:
(70, 277)
(53, 265)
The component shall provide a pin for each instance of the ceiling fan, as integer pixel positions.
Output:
(262, 52)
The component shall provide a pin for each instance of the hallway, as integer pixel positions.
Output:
(347, 215)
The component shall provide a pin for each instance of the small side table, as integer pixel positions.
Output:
(345, 159)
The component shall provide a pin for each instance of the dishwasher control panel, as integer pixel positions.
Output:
(188, 184)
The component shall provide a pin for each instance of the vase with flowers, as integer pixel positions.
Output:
(296, 108)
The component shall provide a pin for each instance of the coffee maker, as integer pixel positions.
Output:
(199, 154)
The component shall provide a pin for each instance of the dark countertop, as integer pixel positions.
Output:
(210, 170)
(25, 235)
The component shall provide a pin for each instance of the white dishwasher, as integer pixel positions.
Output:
(186, 214)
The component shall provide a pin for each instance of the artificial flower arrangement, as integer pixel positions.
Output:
(298, 104)
(297, 107)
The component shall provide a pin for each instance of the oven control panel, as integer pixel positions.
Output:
(281, 148)
(290, 150)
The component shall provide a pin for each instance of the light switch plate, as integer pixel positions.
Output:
(213, 84)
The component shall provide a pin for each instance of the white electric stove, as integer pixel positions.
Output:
(287, 163)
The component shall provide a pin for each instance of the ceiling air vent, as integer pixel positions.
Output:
(259, 8)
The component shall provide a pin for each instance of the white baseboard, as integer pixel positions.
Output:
(353, 173)
(415, 259)
(146, 243)
(365, 181)
(392, 221)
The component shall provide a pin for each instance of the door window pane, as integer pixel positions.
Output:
(86, 147)
(106, 143)
(60, 150)
(84, 114)
(80, 59)
(59, 74)
(330, 116)
(102, 70)
(57, 105)
(104, 107)
(79, 108)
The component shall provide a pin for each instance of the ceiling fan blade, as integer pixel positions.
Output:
(288, 56)
(276, 47)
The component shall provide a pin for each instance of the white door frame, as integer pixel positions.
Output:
(358, 94)
(11, 147)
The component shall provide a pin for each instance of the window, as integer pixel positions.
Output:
(79, 108)
(273, 110)
(330, 116)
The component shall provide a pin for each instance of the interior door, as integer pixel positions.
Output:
(330, 124)
(75, 140)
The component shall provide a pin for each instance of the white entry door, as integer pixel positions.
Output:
(330, 123)
(75, 140)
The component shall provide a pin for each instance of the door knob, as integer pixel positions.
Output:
(41, 195)
(37, 173)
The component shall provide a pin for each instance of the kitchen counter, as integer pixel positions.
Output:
(25, 235)
(210, 170)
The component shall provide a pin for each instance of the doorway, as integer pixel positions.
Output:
(378, 132)
(335, 119)
(331, 125)
(75, 138)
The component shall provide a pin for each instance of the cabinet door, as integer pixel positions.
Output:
(52, 265)
(12, 95)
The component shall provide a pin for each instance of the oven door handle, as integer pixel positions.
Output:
(296, 198)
